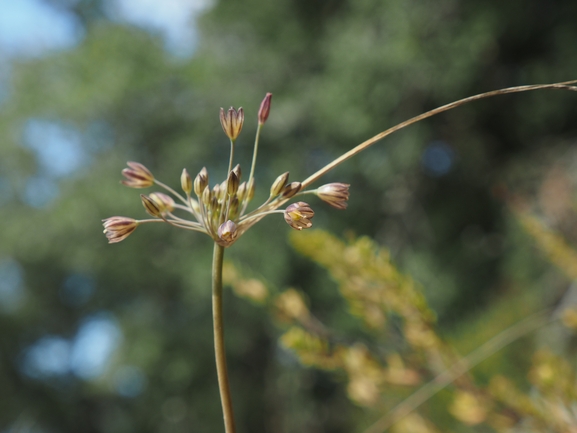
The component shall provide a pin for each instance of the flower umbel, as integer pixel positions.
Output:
(221, 211)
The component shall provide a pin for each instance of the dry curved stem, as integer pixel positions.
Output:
(518, 330)
(313, 177)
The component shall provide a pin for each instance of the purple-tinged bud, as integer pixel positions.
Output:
(298, 215)
(201, 182)
(137, 176)
(227, 233)
(232, 183)
(118, 228)
(264, 110)
(164, 202)
(291, 189)
(150, 206)
(335, 194)
(231, 122)
(279, 184)
(186, 182)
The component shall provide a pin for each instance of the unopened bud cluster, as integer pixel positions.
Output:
(220, 211)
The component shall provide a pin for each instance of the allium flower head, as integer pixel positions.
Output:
(221, 210)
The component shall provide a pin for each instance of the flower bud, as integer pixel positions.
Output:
(231, 122)
(264, 110)
(250, 189)
(206, 196)
(137, 176)
(150, 206)
(237, 171)
(233, 208)
(164, 202)
(227, 232)
(232, 183)
(279, 184)
(291, 189)
(298, 215)
(201, 182)
(118, 228)
(186, 182)
(335, 194)
(241, 193)
(216, 191)
(214, 205)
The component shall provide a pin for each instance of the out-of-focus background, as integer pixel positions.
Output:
(118, 338)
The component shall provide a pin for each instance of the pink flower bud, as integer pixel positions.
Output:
(298, 215)
(137, 176)
(118, 228)
(264, 110)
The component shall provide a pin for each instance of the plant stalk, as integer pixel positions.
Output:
(219, 351)
(567, 85)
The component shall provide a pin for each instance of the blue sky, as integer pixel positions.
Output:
(33, 27)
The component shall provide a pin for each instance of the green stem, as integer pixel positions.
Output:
(231, 160)
(219, 351)
(255, 151)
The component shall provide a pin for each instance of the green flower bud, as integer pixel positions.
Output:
(232, 183)
(201, 182)
(279, 184)
(186, 182)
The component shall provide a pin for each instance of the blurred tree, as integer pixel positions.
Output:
(340, 72)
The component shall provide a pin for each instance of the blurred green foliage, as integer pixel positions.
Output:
(341, 71)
